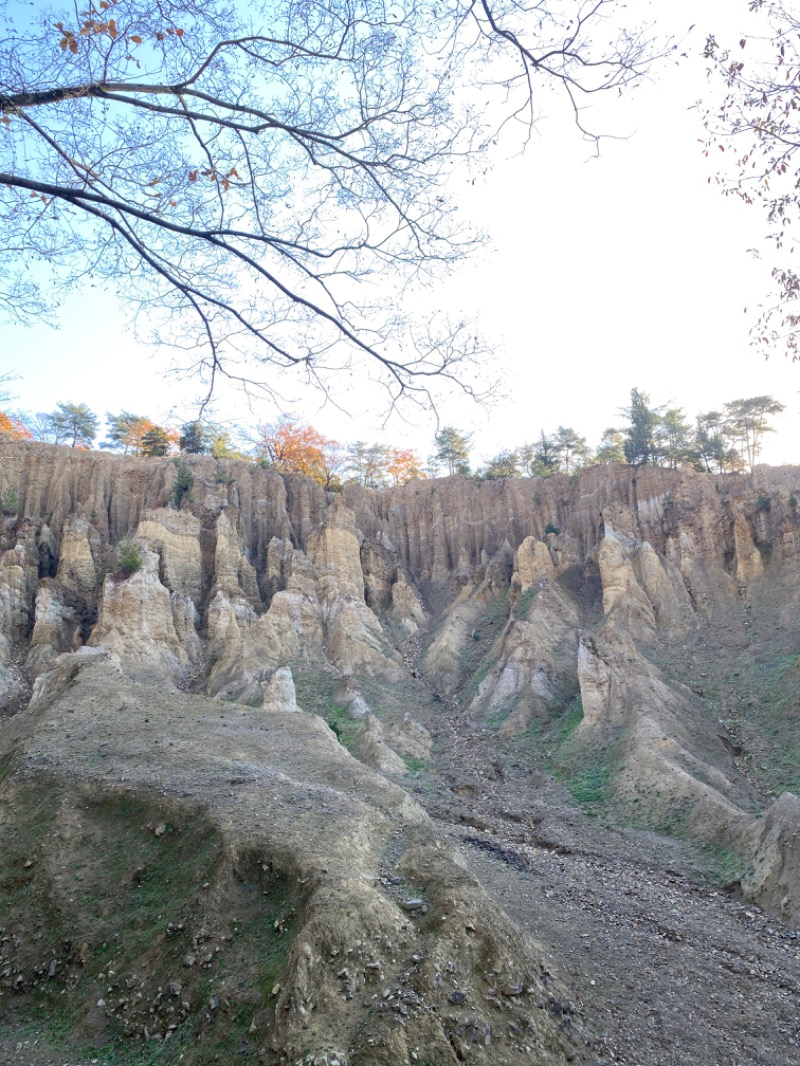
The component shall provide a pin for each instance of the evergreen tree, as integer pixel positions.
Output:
(452, 450)
(367, 464)
(74, 424)
(570, 449)
(540, 459)
(156, 442)
(504, 464)
(714, 448)
(641, 436)
(195, 438)
(611, 448)
(747, 421)
(675, 439)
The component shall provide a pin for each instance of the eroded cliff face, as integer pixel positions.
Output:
(633, 634)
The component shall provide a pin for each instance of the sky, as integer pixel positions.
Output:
(627, 270)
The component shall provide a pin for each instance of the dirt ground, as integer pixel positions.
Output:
(668, 966)
(664, 964)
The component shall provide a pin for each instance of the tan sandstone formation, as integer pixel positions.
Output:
(358, 891)
(644, 641)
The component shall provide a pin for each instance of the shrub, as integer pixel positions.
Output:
(10, 502)
(127, 558)
(766, 548)
(184, 483)
(550, 528)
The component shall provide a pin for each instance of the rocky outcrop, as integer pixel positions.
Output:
(176, 537)
(504, 602)
(150, 630)
(774, 873)
(323, 885)
(57, 627)
(647, 734)
(532, 662)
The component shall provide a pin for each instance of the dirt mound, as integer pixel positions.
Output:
(229, 881)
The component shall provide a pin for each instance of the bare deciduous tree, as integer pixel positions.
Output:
(246, 172)
(754, 133)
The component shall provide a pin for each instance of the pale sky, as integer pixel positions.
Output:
(605, 274)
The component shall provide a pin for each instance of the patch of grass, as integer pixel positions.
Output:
(345, 728)
(476, 659)
(494, 721)
(105, 897)
(726, 863)
(6, 765)
(590, 785)
(559, 729)
(414, 766)
(520, 609)
(477, 679)
(570, 722)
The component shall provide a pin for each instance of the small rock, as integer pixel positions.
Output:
(412, 904)
(160, 830)
(457, 997)
(101, 1003)
(175, 988)
(213, 1002)
(513, 990)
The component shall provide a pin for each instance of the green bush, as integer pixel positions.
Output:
(184, 483)
(10, 502)
(766, 548)
(127, 558)
(550, 528)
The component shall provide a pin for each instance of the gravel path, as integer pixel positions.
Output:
(665, 969)
(665, 972)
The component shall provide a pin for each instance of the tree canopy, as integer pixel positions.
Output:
(452, 449)
(74, 424)
(244, 172)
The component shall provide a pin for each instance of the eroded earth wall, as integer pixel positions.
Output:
(632, 633)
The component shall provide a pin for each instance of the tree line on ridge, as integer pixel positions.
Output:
(726, 440)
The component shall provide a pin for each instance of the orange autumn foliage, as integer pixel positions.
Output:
(402, 465)
(294, 447)
(14, 427)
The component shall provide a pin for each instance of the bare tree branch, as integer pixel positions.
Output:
(257, 175)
